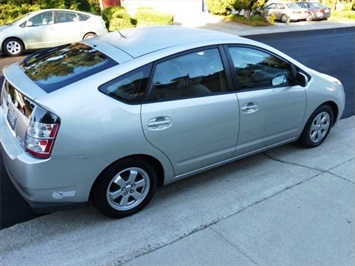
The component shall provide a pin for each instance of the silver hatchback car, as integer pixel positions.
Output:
(48, 28)
(112, 118)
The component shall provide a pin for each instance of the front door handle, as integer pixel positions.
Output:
(250, 108)
(160, 123)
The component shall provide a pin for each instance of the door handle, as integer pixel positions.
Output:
(160, 123)
(250, 108)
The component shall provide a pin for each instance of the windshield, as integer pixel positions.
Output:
(55, 68)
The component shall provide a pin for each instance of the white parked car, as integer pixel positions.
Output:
(48, 28)
(283, 11)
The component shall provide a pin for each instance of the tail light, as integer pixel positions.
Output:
(41, 133)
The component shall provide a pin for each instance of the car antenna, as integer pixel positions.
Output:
(122, 36)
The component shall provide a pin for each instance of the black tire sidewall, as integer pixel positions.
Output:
(104, 180)
(305, 139)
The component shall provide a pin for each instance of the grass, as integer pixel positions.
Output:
(342, 15)
(255, 21)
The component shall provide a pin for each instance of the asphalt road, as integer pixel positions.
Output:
(329, 51)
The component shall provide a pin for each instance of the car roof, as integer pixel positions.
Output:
(136, 42)
(56, 9)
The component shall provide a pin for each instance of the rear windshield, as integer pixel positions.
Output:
(55, 68)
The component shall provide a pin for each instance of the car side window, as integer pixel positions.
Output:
(130, 87)
(63, 17)
(196, 74)
(41, 19)
(255, 69)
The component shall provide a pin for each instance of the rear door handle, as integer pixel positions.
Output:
(159, 123)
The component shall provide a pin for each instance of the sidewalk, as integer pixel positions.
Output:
(286, 206)
(311, 222)
(208, 21)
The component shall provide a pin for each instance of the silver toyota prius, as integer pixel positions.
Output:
(48, 28)
(112, 118)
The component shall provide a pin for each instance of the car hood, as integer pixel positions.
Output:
(3, 27)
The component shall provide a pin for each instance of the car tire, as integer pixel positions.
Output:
(309, 17)
(13, 47)
(89, 35)
(125, 187)
(317, 128)
(283, 18)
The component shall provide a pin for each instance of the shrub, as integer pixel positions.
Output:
(337, 15)
(255, 21)
(9, 12)
(117, 18)
(149, 17)
(220, 7)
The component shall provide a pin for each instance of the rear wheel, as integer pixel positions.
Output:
(309, 17)
(317, 127)
(125, 188)
(13, 47)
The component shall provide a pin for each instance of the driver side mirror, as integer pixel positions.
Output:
(299, 78)
(29, 24)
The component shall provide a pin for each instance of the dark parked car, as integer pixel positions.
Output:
(316, 11)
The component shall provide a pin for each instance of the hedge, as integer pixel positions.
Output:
(146, 16)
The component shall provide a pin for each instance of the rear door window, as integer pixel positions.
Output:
(194, 74)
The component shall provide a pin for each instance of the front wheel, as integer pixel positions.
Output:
(13, 47)
(317, 128)
(125, 188)
(283, 18)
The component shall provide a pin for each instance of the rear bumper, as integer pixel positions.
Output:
(298, 17)
(57, 183)
(320, 15)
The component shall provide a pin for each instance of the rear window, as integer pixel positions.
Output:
(55, 68)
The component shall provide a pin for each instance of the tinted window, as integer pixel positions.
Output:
(57, 67)
(256, 69)
(196, 74)
(67, 17)
(129, 87)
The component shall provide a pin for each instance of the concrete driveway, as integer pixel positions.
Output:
(288, 206)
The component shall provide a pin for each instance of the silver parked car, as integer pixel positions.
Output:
(112, 118)
(316, 11)
(48, 28)
(284, 11)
